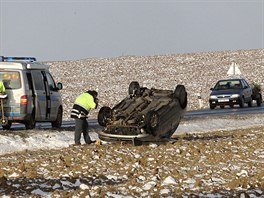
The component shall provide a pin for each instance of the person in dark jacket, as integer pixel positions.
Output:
(80, 110)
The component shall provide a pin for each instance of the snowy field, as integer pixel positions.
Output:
(210, 157)
(19, 140)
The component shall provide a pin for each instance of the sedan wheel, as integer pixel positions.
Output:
(181, 94)
(242, 103)
(103, 115)
(134, 88)
(152, 122)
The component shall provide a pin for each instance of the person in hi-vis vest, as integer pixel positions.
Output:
(80, 110)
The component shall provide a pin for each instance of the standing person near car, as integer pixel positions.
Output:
(80, 110)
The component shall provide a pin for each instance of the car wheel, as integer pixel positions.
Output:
(57, 123)
(259, 101)
(152, 122)
(31, 123)
(103, 115)
(250, 103)
(134, 88)
(181, 94)
(212, 106)
(8, 126)
(231, 106)
(242, 103)
(222, 106)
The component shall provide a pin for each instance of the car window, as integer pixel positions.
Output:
(245, 84)
(51, 82)
(38, 80)
(228, 84)
(11, 79)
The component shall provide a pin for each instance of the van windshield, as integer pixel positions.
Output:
(11, 79)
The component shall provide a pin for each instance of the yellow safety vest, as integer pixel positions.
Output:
(2, 87)
(86, 101)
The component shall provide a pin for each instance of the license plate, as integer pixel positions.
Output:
(223, 100)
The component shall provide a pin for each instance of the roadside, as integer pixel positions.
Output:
(20, 140)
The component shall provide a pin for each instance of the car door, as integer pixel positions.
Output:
(40, 101)
(247, 92)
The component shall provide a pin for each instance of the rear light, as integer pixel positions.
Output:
(23, 100)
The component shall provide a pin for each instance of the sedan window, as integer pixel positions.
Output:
(228, 84)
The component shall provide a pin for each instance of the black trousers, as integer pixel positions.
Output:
(81, 126)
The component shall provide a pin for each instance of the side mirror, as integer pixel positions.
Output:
(211, 89)
(59, 86)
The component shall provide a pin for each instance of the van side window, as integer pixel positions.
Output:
(51, 82)
(38, 80)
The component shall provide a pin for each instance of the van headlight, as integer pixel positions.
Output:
(235, 96)
(213, 97)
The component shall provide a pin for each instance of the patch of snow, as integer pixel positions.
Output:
(169, 181)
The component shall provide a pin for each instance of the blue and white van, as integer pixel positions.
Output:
(32, 94)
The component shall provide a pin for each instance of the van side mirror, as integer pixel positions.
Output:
(59, 86)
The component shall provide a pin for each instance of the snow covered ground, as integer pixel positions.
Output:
(199, 163)
(19, 140)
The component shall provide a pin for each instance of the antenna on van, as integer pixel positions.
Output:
(30, 59)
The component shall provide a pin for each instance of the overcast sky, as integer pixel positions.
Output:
(77, 29)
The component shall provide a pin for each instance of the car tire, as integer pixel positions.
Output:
(103, 115)
(134, 88)
(250, 103)
(152, 122)
(259, 100)
(222, 106)
(212, 106)
(231, 106)
(181, 94)
(242, 103)
(8, 126)
(31, 123)
(57, 123)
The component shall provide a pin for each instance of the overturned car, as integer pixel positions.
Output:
(144, 115)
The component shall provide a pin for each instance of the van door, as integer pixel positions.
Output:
(55, 97)
(40, 95)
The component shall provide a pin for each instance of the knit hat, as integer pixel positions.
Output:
(93, 93)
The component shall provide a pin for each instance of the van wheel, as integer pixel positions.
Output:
(31, 123)
(57, 123)
(8, 126)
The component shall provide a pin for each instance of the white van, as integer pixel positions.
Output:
(32, 94)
